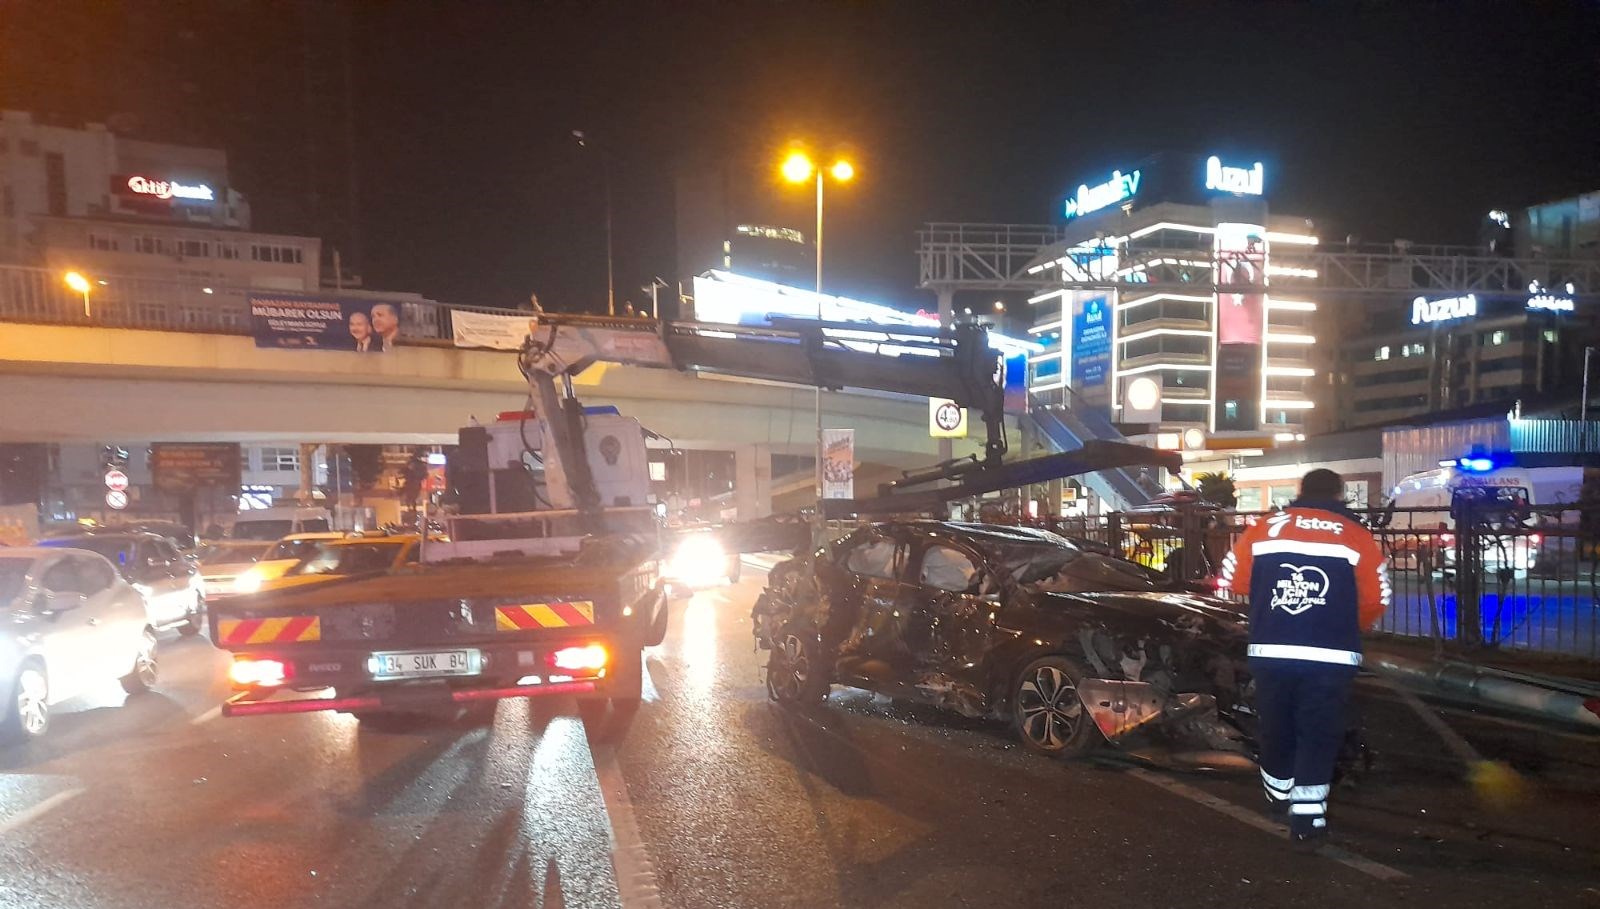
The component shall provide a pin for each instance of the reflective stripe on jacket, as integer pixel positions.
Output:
(1315, 578)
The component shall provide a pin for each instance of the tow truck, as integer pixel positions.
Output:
(550, 581)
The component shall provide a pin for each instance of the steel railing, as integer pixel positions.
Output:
(1528, 581)
(40, 295)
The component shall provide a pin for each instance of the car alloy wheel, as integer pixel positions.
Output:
(145, 670)
(1047, 714)
(32, 703)
(195, 622)
(789, 670)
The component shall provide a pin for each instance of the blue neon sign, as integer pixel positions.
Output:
(1119, 188)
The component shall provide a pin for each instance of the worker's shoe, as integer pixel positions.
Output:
(1308, 834)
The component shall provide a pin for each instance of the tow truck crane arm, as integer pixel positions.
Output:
(955, 363)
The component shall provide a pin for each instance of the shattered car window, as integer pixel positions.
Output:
(874, 558)
(1068, 568)
(947, 569)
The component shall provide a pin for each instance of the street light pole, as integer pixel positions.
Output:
(605, 188)
(1583, 409)
(798, 168)
(816, 390)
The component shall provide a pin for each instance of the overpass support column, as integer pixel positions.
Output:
(947, 317)
(752, 481)
(308, 472)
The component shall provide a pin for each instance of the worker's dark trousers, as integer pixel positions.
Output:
(1302, 711)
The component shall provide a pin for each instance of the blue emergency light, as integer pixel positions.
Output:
(1471, 464)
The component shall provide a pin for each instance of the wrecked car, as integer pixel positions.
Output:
(1075, 647)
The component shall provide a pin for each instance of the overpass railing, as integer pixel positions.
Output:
(40, 295)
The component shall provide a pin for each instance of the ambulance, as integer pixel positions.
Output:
(1503, 496)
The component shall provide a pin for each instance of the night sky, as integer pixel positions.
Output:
(1380, 119)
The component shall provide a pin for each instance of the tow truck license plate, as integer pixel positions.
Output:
(412, 664)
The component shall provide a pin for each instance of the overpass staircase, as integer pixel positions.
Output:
(1068, 425)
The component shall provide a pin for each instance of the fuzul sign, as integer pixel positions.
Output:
(1425, 311)
(1244, 181)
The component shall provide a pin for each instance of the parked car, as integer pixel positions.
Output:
(334, 559)
(1074, 647)
(275, 523)
(223, 561)
(72, 623)
(170, 583)
(284, 555)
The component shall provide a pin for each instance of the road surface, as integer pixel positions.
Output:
(712, 797)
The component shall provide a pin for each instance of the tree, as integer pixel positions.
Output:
(366, 465)
(1217, 488)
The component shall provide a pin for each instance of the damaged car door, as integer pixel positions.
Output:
(949, 625)
(870, 589)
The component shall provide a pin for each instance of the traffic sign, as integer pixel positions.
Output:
(946, 419)
(116, 480)
(117, 499)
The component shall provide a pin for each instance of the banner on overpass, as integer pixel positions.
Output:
(323, 323)
(482, 329)
(838, 463)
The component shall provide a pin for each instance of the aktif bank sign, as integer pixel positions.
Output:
(1119, 188)
(1243, 181)
(170, 189)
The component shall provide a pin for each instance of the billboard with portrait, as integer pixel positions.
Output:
(1241, 321)
(295, 322)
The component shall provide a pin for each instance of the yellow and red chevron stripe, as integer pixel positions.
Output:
(276, 630)
(543, 615)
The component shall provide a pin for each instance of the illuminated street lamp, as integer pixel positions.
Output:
(79, 284)
(797, 167)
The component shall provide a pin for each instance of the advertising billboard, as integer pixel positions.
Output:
(1241, 324)
(324, 323)
(838, 463)
(184, 466)
(1091, 343)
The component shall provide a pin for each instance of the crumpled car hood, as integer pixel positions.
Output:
(1179, 610)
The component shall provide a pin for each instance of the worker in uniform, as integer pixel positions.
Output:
(1315, 578)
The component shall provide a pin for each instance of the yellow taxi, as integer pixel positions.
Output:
(333, 559)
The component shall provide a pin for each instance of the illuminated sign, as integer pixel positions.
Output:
(170, 189)
(1425, 311)
(1119, 188)
(770, 233)
(721, 296)
(1542, 299)
(1244, 181)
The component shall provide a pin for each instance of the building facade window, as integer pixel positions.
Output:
(1381, 353)
(103, 243)
(55, 183)
(280, 460)
(289, 255)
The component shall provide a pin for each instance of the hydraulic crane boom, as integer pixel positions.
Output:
(955, 363)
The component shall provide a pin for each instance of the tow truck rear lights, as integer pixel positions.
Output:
(249, 672)
(587, 658)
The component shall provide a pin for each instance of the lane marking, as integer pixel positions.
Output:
(630, 861)
(37, 811)
(208, 716)
(1244, 815)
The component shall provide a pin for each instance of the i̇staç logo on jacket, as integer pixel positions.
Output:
(1315, 578)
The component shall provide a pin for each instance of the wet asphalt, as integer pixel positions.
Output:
(710, 796)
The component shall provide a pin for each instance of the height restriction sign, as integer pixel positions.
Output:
(946, 419)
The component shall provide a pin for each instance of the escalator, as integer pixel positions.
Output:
(1069, 426)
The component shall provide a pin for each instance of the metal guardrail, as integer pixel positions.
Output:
(1469, 585)
(39, 295)
(994, 257)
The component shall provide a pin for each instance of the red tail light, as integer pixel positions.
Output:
(588, 658)
(1535, 538)
(248, 672)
